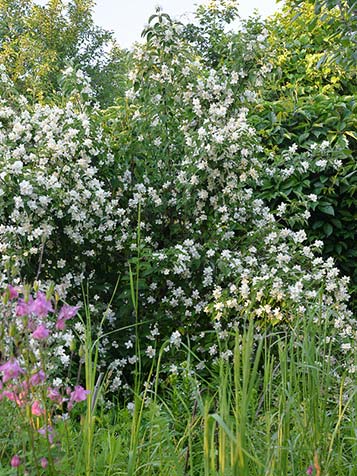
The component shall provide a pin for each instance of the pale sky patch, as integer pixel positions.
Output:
(127, 18)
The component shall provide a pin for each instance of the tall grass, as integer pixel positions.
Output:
(279, 406)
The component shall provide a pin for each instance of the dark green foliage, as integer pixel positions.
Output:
(310, 97)
(304, 122)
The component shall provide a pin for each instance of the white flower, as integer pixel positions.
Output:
(17, 166)
(300, 236)
(130, 406)
(68, 71)
(321, 163)
(173, 369)
(212, 350)
(150, 352)
(26, 188)
(175, 339)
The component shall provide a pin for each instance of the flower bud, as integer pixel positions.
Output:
(72, 347)
(26, 292)
(50, 291)
(12, 330)
(6, 296)
(15, 461)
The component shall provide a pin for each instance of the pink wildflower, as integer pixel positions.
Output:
(44, 462)
(41, 332)
(310, 470)
(15, 461)
(41, 306)
(23, 308)
(11, 370)
(67, 312)
(47, 431)
(38, 377)
(13, 292)
(10, 395)
(21, 399)
(54, 395)
(60, 324)
(79, 394)
(36, 408)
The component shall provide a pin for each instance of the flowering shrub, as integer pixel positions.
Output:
(183, 154)
(32, 327)
(56, 210)
(212, 250)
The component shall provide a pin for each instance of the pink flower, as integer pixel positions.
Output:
(54, 395)
(310, 470)
(36, 408)
(13, 292)
(44, 462)
(38, 377)
(67, 312)
(10, 395)
(47, 431)
(11, 370)
(41, 332)
(21, 399)
(23, 308)
(41, 306)
(79, 394)
(60, 324)
(15, 461)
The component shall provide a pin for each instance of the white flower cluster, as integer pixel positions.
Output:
(216, 247)
(56, 208)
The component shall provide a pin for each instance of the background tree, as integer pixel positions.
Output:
(38, 42)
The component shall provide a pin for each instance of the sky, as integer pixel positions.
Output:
(127, 18)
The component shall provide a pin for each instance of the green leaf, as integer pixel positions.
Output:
(338, 248)
(328, 209)
(328, 229)
(317, 224)
(336, 223)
